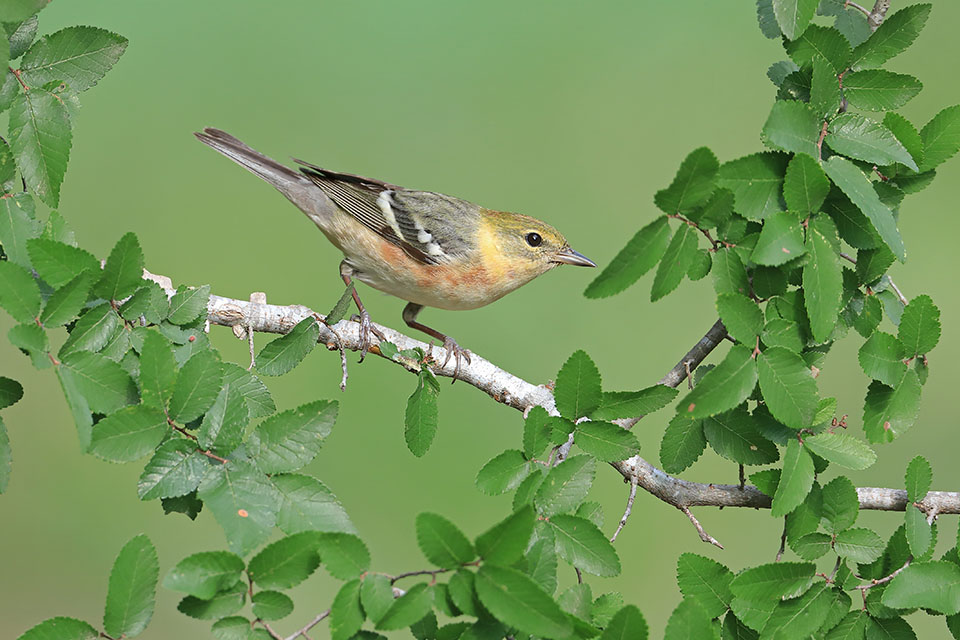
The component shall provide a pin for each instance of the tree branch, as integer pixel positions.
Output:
(879, 13)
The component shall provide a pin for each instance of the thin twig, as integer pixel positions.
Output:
(783, 542)
(626, 513)
(856, 6)
(896, 289)
(273, 634)
(874, 583)
(706, 537)
(308, 626)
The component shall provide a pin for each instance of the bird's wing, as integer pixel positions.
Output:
(429, 227)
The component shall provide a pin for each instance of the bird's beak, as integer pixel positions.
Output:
(569, 256)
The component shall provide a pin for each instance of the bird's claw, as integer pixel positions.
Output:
(456, 352)
(366, 328)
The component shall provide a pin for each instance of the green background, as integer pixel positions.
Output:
(572, 112)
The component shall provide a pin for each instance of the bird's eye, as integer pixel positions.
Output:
(534, 239)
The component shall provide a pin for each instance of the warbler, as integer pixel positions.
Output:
(429, 249)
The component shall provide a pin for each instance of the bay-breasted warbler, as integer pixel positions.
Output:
(427, 248)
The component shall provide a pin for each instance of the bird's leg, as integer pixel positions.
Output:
(453, 349)
(365, 326)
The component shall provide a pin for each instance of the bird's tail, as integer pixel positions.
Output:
(300, 190)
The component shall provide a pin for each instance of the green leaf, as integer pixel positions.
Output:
(577, 390)
(18, 225)
(756, 181)
(128, 434)
(565, 486)
(789, 390)
(441, 542)
(799, 617)
(243, 501)
(872, 264)
(583, 545)
(773, 581)
(825, 96)
(516, 600)
(812, 545)
(376, 595)
(59, 628)
(223, 425)
(93, 331)
(794, 16)
(896, 33)
(10, 392)
(781, 239)
(919, 329)
(254, 392)
(505, 542)
(149, 301)
(123, 271)
(21, 35)
(175, 470)
(741, 316)
(792, 126)
(503, 473)
(734, 436)
(918, 530)
(187, 304)
(606, 441)
(291, 439)
(692, 186)
(683, 443)
(286, 562)
(58, 263)
(919, 476)
(796, 478)
(158, 370)
(67, 301)
(344, 555)
(78, 56)
(729, 274)
(286, 352)
(852, 627)
(858, 188)
(840, 505)
(40, 141)
(881, 358)
(19, 293)
(941, 137)
(879, 90)
(271, 605)
(628, 404)
(805, 185)
(197, 386)
(233, 628)
(203, 574)
(407, 609)
(822, 278)
(308, 505)
(841, 449)
(223, 604)
(420, 418)
(855, 136)
(688, 620)
(641, 253)
(133, 585)
(706, 582)
(676, 261)
(890, 411)
(819, 43)
(33, 342)
(103, 383)
(626, 624)
(346, 615)
(931, 585)
(536, 432)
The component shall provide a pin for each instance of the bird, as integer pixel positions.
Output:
(427, 248)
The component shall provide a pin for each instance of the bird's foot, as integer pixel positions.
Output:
(456, 352)
(366, 329)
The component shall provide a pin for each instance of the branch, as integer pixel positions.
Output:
(879, 13)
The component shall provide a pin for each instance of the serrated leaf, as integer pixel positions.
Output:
(291, 439)
(158, 370)
(243, 501)
(801, 616)
(21, 35)
(773, 581)
(536, 432)
(104, 384)
(285, 563)
(255, 393)
(675, 263)
(93, 331)
(286, 352)
(271, 605)
(873, 263)
(128, 434)
(792, 126)
(606, 441)
(59, 628)
(376, 594)
(820, 43)
(123, 271)
(692, 186)
(67, 301)
(918, 531)
(919, 329)
(840, 505)
(881, 358)
(788, 388)
(841, 449)
(796, 478)
(133, 585)
(778, 71)
(308, 505)
(421, 415)
(919, 476)
(19, 293)
(175, 470)
(149, 301)
(565, 486)
(582, 544)
(729, 274)
(442, 542)
(858, 188)
(855, 136)
(187, 303)
(794, 16)
(577, 389)
(756, 181)
(897, 32)
(688, 620)
(734, 436)
(407, 609)
(503, 473)
(203, 574)
(40, 141)
(706, 582)
(641, 253)
(515, 599)
(781, 240)
(879, 90)
(505, 542)
(812, 545)
(932, 585)
(58, 263)
(941, 137)
(18, 224)
(10, 392)
(344, 555)
(223, 425)
(683, 443)
(825, 95)
(196, 387)
(890, 411)
(723, 387)
(741, 316)
(78, 56)
(805, 185)
(822, 279)
(223, 604)
(629, 404)
(346, 615)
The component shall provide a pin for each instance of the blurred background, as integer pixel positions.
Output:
(572, 112)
